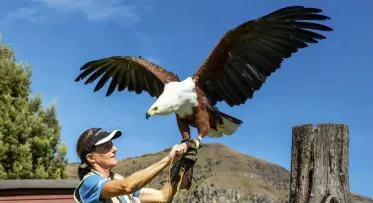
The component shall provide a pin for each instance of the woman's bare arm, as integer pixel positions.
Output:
(140, 178)
(150, 195)
(133, 182)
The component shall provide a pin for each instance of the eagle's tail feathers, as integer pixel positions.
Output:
(226, 125)
(230, 118)
(230, 124)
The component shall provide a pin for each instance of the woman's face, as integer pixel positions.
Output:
(104, 155)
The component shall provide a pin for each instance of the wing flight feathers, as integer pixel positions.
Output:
(127, 72)
(247, 55)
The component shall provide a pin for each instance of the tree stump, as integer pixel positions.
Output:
(319, 164)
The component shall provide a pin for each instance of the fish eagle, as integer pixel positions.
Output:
(237, 66)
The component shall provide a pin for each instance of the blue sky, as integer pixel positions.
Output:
(326, 82)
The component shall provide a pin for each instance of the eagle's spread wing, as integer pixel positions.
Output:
(246, 55)
(134, 73)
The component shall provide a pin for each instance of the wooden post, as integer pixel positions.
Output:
(319, 164)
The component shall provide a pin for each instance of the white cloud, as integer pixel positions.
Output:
(93, 10)
(145, 41)
(153, 60)
(31, 14)
(147, 46)
(148, 8)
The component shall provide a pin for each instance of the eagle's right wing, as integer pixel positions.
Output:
(248, 54)
(134, 73)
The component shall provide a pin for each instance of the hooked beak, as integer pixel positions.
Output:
(149, 113)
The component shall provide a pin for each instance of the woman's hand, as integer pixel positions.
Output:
(177, 151)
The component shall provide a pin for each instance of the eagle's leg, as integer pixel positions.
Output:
(201, 133)
(183, 128)
(203, 125)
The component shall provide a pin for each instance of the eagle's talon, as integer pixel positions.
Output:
(198, 143)
(185, 140)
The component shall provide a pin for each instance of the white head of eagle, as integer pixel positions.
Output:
(179, 97)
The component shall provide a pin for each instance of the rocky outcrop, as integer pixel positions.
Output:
(215, 194)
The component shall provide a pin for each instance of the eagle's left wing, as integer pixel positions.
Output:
(134, 73)
(246, 55)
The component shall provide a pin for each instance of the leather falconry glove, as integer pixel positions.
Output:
(186, 163)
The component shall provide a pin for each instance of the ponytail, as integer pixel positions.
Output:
(84, 167)
(83, 170)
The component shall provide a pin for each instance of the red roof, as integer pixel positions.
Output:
(37, 190)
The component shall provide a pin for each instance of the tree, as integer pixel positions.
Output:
(29, 134)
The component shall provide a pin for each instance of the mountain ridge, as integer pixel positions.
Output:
(223, 175)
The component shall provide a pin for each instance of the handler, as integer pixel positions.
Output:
(98, 182)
